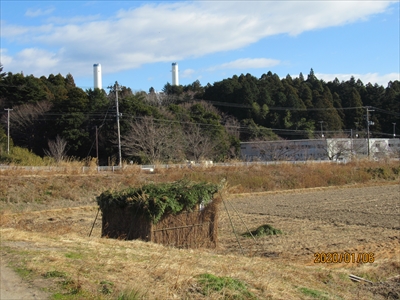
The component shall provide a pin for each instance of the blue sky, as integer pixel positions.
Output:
(136, 41)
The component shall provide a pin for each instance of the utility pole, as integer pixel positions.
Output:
(116, 87)
(8, 129)
(351, 143)
(322, 133)
(368, 123)
(97, 147)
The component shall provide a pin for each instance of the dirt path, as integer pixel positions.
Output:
(12, 287)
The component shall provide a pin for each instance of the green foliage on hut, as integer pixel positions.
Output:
(180, 214)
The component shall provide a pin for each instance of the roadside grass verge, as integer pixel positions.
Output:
(113, 269)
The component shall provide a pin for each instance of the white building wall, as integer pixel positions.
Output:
(341, 149)
(298, 150)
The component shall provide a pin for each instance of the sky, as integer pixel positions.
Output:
(137, 41)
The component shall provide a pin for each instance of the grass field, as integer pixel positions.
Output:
(353, 208)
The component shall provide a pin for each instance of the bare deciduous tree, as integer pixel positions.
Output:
(275, 150)
(57, 149)
(26, 122)
(231, 124)
(161, 99)
(153, 140)
(345, 148)
(197, 145)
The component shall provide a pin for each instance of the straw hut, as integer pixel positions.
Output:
(181, 214)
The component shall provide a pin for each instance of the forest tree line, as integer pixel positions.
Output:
(187, 122)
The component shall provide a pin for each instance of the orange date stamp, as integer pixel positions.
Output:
(344, 257)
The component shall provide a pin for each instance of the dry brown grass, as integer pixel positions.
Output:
(26, 190)
(94, 266)
(158, 272)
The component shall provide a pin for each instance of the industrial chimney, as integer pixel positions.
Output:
(97, 76)
(175, 78)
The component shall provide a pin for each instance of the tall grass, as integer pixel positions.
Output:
(258, 178)
(68, 186)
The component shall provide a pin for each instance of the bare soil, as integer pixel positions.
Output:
(361, 219)
(354, 219)
(12, 287)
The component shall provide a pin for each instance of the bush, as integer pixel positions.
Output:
(263, 230)
(23, 157)
(231, 288)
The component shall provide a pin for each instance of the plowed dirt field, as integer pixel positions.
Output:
(354, 220)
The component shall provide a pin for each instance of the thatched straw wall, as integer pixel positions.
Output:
(194, 229)
(123, 223)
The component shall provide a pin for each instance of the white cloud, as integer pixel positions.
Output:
(381, 79)
(43, 62)
(13, 31)
(187, 73)
(175, 31)
(74, 20)
(24, 34)
(247, 63)
(38, 12)
(5, 59)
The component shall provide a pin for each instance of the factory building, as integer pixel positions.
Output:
(336, 149)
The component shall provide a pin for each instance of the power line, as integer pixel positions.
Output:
(97, 133)
(238, 127)
(232, 104)
(100, 113)
(385, 111)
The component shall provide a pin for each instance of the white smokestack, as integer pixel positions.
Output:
(175, 77)
(97, 76)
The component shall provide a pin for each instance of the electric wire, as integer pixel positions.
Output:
(99, 128)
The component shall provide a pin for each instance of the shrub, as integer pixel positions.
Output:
(232, 288)
(23, 157)
(263, 230)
